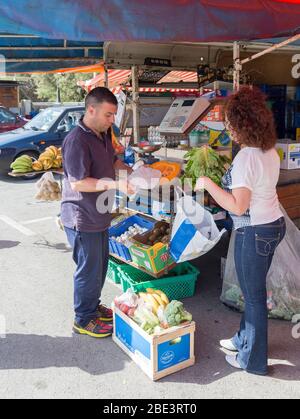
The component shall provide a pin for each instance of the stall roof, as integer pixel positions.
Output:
(168, 21)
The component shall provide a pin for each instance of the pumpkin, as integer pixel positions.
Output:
(168, 170)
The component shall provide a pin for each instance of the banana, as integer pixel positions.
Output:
(154, 304)
(57, 164)
(148, 298)
(46, 156)
(163, 297)
(53, 151)
(151, 291)
(37, 166)
(47, 164)
(159, 300)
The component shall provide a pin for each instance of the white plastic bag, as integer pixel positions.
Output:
(194, 231)
(145, 178)
(283, 280)
(48, 189)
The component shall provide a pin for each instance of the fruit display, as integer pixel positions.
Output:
(50, 159)
(160, 234)
(168, 170)
(22, 164)
(206, 162)
(152, 310)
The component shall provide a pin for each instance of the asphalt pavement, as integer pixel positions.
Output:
(40, 358)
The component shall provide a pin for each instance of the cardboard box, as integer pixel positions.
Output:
(158, 356)
(289, 155)
(153, 258)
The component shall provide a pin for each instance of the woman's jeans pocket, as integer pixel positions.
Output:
(267, 239)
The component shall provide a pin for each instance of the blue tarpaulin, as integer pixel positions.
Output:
(27, 53)
(148, 20)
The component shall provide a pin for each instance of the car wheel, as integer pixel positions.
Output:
(33, 155)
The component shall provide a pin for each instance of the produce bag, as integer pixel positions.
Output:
(194, 231)
(283, 280)
(127, 302)
(145, 178)
(48, 188)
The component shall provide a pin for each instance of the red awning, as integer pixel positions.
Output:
(117, 78)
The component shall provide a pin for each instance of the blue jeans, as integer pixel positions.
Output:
(91, 254)
(254, 252)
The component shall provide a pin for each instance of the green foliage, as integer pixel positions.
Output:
(206, 162)
(46, 86)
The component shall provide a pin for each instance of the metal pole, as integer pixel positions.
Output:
(105, 76)
(271, 49)
(135, 104)
(237, 67)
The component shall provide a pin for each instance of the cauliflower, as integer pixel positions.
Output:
(176, 314)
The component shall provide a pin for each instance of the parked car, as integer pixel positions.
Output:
(49, 127)
(9, 121)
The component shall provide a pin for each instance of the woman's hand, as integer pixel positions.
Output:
(202, 184)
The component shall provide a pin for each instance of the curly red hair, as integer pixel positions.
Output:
(250, 119)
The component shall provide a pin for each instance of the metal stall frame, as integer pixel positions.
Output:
(238, 63)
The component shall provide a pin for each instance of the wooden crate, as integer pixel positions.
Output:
(289, 197)
(158, 356)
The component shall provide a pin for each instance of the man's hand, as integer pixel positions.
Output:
(125, 187)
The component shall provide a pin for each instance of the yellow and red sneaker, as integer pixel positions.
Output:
(95, 329)
(105, 314)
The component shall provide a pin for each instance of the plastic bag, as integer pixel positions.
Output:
(127, 302)
(194, 231)
(48, 188)
(145, 178)
(283, 280)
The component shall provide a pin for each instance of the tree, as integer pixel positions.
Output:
(47, 85)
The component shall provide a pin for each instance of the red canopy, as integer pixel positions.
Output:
(147, 20)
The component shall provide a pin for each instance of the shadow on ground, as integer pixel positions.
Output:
(6, 244)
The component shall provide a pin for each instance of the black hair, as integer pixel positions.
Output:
(100, 95)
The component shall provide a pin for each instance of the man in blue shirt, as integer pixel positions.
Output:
(90, 167)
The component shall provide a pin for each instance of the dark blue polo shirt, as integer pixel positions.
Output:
(86, 155)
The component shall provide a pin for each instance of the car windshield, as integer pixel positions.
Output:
(44, 120)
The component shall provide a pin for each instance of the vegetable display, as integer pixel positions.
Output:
(205, 162)
(152, 310)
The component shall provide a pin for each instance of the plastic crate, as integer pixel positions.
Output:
(119, 249)
(113, 273)
(178, 284)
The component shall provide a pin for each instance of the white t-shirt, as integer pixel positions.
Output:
(259, 171)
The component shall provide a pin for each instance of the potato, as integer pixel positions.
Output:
(152, 238)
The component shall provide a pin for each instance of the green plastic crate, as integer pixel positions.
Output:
(178, 284)
(113, 273)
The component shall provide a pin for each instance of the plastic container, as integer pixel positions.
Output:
(194, 138)
(113, 273)
(120, 249)
(178, 284)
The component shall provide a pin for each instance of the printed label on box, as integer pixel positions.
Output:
(173, 352)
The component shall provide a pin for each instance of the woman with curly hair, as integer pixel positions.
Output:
(250, 196)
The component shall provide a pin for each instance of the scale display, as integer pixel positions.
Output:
(183, 114)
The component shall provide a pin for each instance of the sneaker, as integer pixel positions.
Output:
(227, 344)
(233, 362)
(95, 329)
(105, 314)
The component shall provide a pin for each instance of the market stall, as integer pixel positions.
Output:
(140, 21)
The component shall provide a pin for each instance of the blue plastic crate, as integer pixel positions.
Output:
(118, 248)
